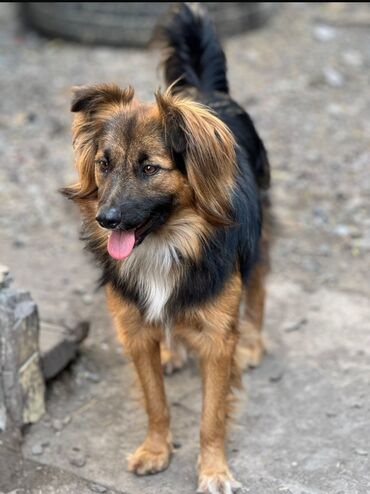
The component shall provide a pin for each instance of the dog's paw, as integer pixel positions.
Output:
(173, 360)
(146, 461)
(249, 354)
(218, 483)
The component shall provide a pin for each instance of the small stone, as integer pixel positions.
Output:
(87, 299)
(251, 55)
(324, 250)
(31, 117)
(313, 156)
(77, 458)
(362, 244)
(19, 243)
(356, 406)
(342, 230)
(92, 376)
(276, 377)
(320, 216)
(311, 265)
(57, 425)
(361, 452)
(79, 291)
(323, 32)
(333, 78)
(97, 488)
(353, 58)
(340, 196)
(296, 325)
(67, 420)
(37, 450)
(334, 109)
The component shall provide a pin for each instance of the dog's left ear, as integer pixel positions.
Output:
(208, 148)
(88, 99)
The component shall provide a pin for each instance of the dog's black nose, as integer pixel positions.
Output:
(109, 218)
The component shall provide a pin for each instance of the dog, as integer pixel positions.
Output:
(173, 196)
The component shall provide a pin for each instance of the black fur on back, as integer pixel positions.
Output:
(195, 59)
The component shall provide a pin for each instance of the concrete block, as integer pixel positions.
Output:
(59, 345)
(22, 385)
(33, 390)
(5, 278)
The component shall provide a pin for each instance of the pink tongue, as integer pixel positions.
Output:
(120, 244)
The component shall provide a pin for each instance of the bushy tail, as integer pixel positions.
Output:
(193, 56)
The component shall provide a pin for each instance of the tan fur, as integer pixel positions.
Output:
(141, 342)
(211, 331)
(209, 145)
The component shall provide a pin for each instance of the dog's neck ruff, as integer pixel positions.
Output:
(152, 269)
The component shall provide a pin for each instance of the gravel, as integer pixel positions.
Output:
(306, 85)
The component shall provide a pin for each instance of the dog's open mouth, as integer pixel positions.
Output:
(122, 242)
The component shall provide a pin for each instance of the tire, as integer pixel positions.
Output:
(130, 23)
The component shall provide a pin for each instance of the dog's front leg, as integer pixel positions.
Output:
(142, 343)
(218, 372)
(154, 454)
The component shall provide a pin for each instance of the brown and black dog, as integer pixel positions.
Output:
(171, 194)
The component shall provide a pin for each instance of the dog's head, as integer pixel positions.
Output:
(138, 164)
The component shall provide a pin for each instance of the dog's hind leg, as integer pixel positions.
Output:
(251, 314)
(251, 347)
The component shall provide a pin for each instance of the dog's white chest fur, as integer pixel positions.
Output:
(150, 268)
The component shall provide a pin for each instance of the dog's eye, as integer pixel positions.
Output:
(103, 165)
(150, 169)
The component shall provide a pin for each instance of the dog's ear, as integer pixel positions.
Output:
(88, 99)
(208, 148)
(93, 106)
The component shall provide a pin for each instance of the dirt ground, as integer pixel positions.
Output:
(303, 422)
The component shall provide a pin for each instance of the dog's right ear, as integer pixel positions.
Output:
(93, 105)
(88, 99)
